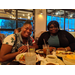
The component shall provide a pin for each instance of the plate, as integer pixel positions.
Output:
(40, 51)
(63, 53)
(46, 62)
(69, 61)
(23, 62)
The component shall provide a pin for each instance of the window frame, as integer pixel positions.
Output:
(70, 10)
(16, 10)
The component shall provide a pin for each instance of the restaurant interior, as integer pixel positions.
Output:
(11, 19)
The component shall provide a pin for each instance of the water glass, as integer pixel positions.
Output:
(30, 58)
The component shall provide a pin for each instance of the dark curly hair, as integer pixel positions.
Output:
(27, 22)
(54, 23)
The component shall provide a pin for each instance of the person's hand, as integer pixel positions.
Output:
(22, 49)
(51, 48)
(61, 48)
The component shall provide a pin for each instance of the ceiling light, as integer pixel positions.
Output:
(23, 14)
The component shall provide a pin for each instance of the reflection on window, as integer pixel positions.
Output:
(7, 24)
(25, 15)
(58, 15)
(69, 21)
(6, 33)
(60, 20)
(20, 23)
(8, 13)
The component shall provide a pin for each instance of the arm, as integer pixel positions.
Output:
(5, 53)
(33, 44)
(65, 49)
(71, 40)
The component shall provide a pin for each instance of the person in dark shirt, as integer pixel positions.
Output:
(56, 38)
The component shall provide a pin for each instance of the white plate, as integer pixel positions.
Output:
(39, 51)
(59, 54)
(45, 62)
(67, 62)
(23, 62)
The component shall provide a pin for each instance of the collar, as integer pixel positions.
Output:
(20, 37)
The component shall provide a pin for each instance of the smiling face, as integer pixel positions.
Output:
(26, 30)
(53, 29)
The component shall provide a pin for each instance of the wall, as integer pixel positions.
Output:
(40, 22)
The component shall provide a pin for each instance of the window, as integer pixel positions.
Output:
(66, 22)
(8, 13)
(69, 21)
(7, 24)
(11, 19)
(57, 15)
(25, 15)
(6, 33)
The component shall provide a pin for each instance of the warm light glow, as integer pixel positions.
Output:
(23, 14)
(40, 15)
(28, 17)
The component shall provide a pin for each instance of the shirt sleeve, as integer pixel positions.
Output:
(9, 40)
(33, 41)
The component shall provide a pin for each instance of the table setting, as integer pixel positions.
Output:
(44, 57)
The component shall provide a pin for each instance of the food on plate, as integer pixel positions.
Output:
(68, 53)
(63, 52)
(40, 51)
(70, 56)
(59, 52)
(22, 58)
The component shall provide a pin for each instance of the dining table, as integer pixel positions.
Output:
(40, 62)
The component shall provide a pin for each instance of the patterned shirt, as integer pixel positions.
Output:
(15, 38)
(10, 40)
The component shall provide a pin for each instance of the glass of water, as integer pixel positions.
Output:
(30, 58)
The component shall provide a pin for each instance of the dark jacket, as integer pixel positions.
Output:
(65, 39)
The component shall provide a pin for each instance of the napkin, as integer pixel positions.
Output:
(39, 57)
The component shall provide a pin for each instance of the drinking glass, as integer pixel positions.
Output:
(30, 58)
(46, 49)
(32, 49)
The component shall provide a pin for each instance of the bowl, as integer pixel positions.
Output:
(51, 58)
(51, 63)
